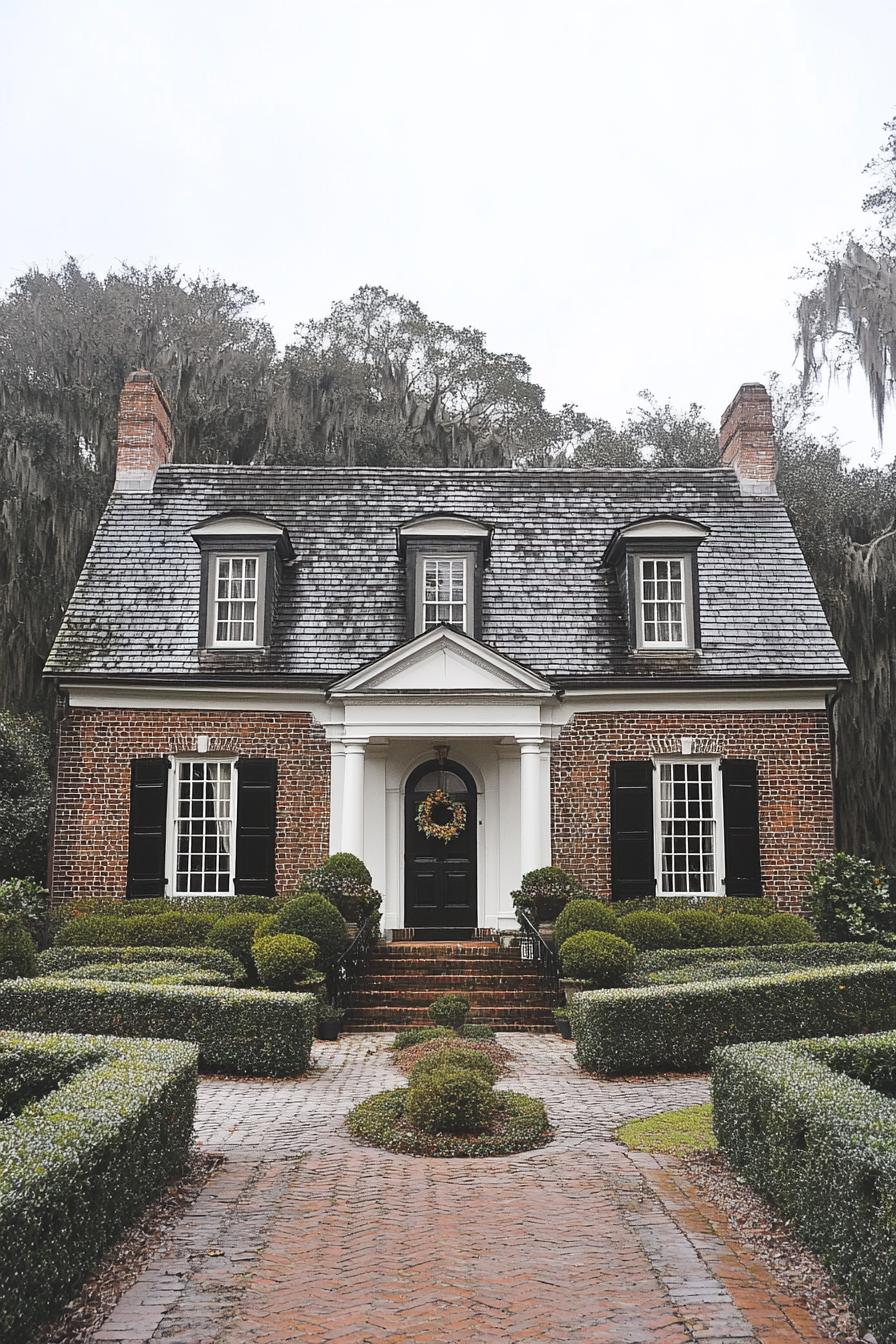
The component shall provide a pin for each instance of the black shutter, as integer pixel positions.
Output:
(147, 826)
(740, 810)
(256, 824)
(631, 826)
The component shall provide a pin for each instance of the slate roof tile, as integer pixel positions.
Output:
(546, 600)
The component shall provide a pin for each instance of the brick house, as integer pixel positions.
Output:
(622, 671)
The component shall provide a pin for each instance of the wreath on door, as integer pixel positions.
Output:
(435, 804)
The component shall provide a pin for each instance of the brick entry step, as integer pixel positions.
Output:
(403, 977)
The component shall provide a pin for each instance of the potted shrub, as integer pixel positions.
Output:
(542, 895)
(329, 1020)
(564, 1026)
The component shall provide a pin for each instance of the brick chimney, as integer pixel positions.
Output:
(144, 432)
(747, 440)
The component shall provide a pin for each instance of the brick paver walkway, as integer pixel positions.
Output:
(305, 1236)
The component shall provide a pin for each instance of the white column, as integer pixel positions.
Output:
(530, 803)
(353, 799)
(337, 762)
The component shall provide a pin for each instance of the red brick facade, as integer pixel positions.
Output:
(792, 751)
(90, 843)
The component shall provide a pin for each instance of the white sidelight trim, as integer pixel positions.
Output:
(353, 799)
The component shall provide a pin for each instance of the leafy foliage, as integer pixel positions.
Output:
(24, 780)
(177, 928)
(449, 1010)
(519, 1123)
(237, 1030)
(79, 1165)
(579, 915)
(850, 898)
(282, 959)
(599, 958)
(29, 900)
(544, 892)
(57, 959)
(455, 1057)
(646, 929)
(677, 1026)
(313, 917)
(821, 1146)
(450, 1101)
(18, 955)
(235, 934)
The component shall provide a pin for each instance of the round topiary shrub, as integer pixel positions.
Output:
(743, 930)
(235, 934)
(649, 929)
(449, 1010)
(282, 959)
(314, 917)
(545, 891)
(578, 916)
(455, 1057)
(345, 881)
(603, 959)
(450, 1101)
(347, 865)
(18, 952)
(786, 928)
(698, 928)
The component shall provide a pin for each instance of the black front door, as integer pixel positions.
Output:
(440, 875)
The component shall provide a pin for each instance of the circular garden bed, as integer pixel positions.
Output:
(517, 1124)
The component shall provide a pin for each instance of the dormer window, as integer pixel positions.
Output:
(241, 562)
(237, 584)
(655, 560)
(445, 591)
(444, 558)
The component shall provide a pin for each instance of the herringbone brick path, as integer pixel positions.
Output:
(304, 1236)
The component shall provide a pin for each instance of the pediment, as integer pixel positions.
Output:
(442, 660)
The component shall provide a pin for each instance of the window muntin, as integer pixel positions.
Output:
(663, 602)
(444, 591)
(688, 817)
(235, 614)
(203, 822)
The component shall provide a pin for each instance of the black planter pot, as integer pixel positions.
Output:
(564, 1026)
(328, 1030)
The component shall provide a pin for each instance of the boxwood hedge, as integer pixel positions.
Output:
(792, 954)
(677, 1026)
(78, 1165)
(237, 1030)
(175, 928)
(821, 1145)
(195, 958)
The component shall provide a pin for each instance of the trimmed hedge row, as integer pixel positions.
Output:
(794, 954)
(677, 1026)
(196, 958)
(237, 1030)
(822, 1147)
(177, 928)
(79, 1165)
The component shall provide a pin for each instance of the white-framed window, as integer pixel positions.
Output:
(444, 591)
(662, 602)
(235, 593)
(688, 827)
(202, 827)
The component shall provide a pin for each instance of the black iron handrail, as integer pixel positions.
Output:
(347, 969)
(534, 948)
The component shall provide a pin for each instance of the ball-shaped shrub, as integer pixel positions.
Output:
(282, 959)
(455, 1057)
(649, 929)
(579, 915)
(347, 865)
(545, 891)
(743, 930)
(235, 934)
(786, 928)
(313, 917)
(698, 928)
(450, 1101)
(18, 952)
(449, 1010)
(603, 959)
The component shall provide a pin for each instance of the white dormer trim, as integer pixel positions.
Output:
(442, 661)
(444, 525)
(662, 528)
(238, 525)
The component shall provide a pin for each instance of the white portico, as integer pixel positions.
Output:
(494, 716)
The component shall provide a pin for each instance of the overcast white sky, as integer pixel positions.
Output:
(621, 192)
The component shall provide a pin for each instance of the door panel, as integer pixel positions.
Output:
(440, 876)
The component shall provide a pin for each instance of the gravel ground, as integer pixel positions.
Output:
(776, 1244)
(122, 1264)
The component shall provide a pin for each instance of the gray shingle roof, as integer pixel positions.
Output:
(546, 599)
